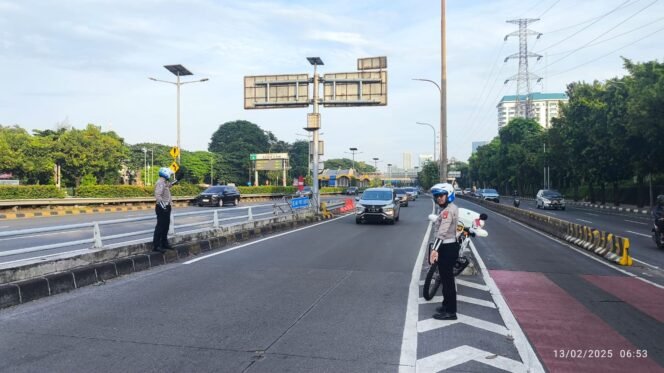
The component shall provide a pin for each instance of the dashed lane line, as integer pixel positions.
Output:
(631, 221)
(585, 221)
(640, 234)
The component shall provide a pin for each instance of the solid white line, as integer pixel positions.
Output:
(408, 358)
(640, 234)
(470, 285)
(462, 354)
(460, 298)
(648, 264)
(578, 250)
(590, 213)
(631, 221)
(585, 221)
(432, 324)
(526, 351)
(261, 240)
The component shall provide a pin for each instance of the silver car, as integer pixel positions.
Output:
(550, 198)
(377, 205)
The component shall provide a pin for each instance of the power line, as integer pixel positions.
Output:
(611, 38)
(584, 28)
(486, 82)
(610, 53)
(549, 8)
(604, 33)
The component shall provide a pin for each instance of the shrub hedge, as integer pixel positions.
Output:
(30, 192)
(130, 191)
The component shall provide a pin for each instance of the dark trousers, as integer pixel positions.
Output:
(160, 238)
(447, 256)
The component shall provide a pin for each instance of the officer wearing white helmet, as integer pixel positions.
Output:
(162, 194)
(446, 248)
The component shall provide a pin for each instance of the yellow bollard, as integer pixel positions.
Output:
(625, 258)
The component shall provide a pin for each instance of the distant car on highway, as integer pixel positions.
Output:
(490, 195)
(377, 205)
(467, 191)
(219, 195)
(305, 192)
(412, 193)
(402, 196)
(352, 190)
(549, 198)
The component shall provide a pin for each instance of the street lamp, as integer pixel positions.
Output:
(178, 71)
(315, 62)
(443, 132)
(151, 167)
(417, 176)
(145, 165)
(375, 163)
(353, 151)
(389, 172)
(434, 138)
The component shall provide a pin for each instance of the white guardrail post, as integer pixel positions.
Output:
(215, 219)
(96, 235)
(250, 214)
(171, 228)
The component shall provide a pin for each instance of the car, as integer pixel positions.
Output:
(466, 191)
(490, 195)
(402, 195)
(377, 205)
(218, 195)
(412, 193)
(352, 190)
(305, 192)
(549, 198)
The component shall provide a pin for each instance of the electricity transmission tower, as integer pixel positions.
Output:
(523, 77)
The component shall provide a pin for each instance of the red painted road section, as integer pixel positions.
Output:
(647, 298)
(562, 330)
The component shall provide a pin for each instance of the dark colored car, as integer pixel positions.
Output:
(219, 195)
(351, 190)
(402, 195)
(305, 192)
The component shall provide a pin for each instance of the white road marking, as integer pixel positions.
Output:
(462, 354)
(460, 298)
(585, 221)
(470, 284)
(432, 324)
(640, 234)
(526, 351)
(590, 213)
(408, 358)
(578, 250)
(631, 221)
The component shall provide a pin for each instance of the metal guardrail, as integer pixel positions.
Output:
(97, 239)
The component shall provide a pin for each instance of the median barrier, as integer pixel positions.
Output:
(37, 279)
(612, 247)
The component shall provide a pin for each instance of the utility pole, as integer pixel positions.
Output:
(443, 95)
(523, 77)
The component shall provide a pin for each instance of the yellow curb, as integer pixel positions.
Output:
(89, 210)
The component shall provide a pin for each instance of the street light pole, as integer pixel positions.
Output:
(178, 70)
(145, 165)
(434, 138)
(443, 126)
(375, 163)
(389, 172)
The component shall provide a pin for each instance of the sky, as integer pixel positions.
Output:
(88, 61)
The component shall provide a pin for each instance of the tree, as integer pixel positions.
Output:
(428, 176)
(234, 142)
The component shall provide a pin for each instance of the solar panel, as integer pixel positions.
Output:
(178, 70)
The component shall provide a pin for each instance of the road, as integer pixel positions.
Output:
(634, 226)
(337, 296)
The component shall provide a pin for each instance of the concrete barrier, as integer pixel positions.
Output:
(612, 247)
(38, 279)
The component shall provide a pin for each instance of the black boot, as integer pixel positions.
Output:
(445, 316)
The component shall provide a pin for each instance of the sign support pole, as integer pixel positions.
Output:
(315, 150)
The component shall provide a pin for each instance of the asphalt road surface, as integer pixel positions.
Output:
(337, 296)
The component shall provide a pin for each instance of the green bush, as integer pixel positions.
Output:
(113, 191)
(30, 192)
(184, 190)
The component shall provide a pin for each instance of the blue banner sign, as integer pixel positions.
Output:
(298, 203)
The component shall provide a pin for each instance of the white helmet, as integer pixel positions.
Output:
(443, 188)
(165, 172)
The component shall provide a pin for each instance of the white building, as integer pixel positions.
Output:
(407, 164)
(424, 158)
(544, 105)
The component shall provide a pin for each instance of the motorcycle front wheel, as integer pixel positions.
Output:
(431, 282)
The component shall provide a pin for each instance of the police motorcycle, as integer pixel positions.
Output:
(471, 224)
(658, 222)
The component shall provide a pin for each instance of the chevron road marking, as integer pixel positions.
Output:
(432, 324)
(472, 285)
(460, 298)
(462, 354)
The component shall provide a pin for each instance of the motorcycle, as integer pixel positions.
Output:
(517, 201)
(471, 224)
(658, 232)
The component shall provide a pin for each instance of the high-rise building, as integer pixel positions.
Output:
(407, 164)
(477, 144)
(544, 106)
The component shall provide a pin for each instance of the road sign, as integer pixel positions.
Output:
(174, 167)
(270, 164)
(372, 63)
(298, 203)
(269, 156)
(321, 147)
(276, 91)
(175, 152)
(364, 88)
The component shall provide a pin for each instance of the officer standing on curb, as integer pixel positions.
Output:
(162, 194)
(446, 248)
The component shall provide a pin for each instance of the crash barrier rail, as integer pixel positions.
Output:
(608, 245)
(97, 239)
(343, 206)
(634, 210)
